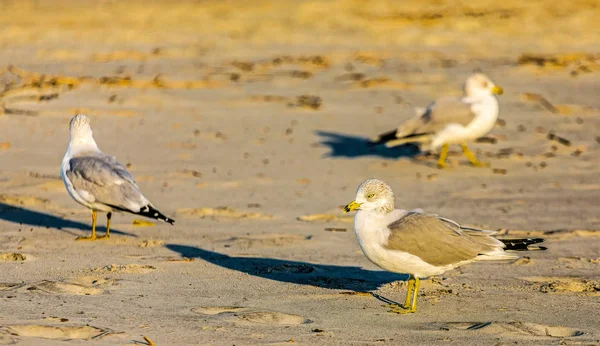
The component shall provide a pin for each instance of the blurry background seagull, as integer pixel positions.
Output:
(98, 181)
(451, 120)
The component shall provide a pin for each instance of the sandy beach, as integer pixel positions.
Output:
(247, 123)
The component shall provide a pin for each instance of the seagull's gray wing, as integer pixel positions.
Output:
(101, 179)
(439, 241)
(439, 114)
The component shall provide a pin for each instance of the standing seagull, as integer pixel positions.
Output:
(451, 120)
(98, 181)
(417, 243)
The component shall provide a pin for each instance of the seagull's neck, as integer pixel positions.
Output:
(479, 98)
(81, 143)
(380, 213)
(486, 109)
(485, 106)
(385, 209)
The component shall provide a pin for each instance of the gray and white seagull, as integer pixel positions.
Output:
(418, 243)
(99, 181)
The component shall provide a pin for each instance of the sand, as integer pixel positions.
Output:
(247, 123)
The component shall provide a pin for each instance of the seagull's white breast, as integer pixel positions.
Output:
(486, 110)
(487, 115)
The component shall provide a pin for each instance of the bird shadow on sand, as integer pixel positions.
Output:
(29, 217)
(351, 146)
(301, 273)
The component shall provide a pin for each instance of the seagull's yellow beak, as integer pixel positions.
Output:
(497, 90)
(351, 206)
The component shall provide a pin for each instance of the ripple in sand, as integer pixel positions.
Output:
(522, 328)
(66, 288)
(125, 269)
(566, 285)
(51, 332)
(250, 315)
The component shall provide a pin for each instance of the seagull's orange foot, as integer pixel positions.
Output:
(86, 238)
(399, 309)
(477, 163)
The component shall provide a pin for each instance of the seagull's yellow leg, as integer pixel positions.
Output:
(417, 283)
(107, 235)
(472, 157)
(441, 163)
(93, 236)
(395, 308)
(411, 283)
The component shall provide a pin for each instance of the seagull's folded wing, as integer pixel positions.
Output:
(101, 179)
(438, 241)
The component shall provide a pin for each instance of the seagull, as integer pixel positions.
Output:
(450, 120)
(99, 181)
(418, 243)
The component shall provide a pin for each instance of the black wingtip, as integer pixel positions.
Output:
(149, 211)
(383, 138)
(522, 244)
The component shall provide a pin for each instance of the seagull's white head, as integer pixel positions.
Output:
(81, 135)
(479, 85)
(373, 194)
(80, 127)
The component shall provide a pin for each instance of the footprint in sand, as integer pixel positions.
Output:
(271, 317)
(61, 333)
(65, 288)
(237, 313)
(82, 286)
(150, 243)
(522, 328)
(125, 269)
(566, 285)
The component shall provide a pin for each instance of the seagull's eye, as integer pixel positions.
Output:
(484, 85)
(371, 195)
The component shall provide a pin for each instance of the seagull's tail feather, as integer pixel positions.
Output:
(391, 140)
(149, 211)
(522, 244)
(496, 255)
(500, 253)
(419, 138)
